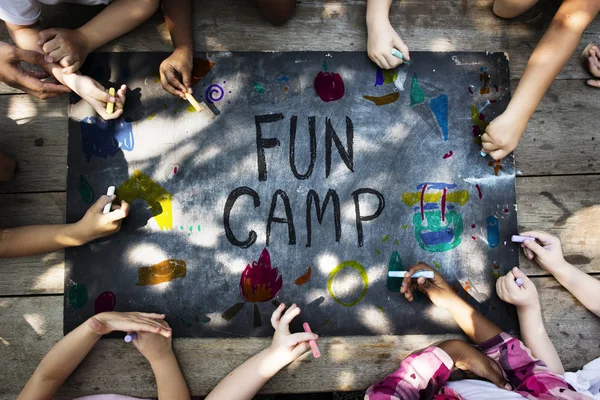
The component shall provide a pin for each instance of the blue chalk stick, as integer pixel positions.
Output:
(131, 337)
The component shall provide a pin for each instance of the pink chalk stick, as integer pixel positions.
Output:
(313, 344)
(520, 239)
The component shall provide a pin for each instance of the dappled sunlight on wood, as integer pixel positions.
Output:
(37, 322)
(54, 273)
(332, 10)
(375, 319)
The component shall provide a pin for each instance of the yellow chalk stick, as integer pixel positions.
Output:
(193, 102)
(110, 107)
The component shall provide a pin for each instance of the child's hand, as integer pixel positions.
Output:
(67, 47)
(95, 224)
(175, 69)
(437, 289)
(286, 347)
(502, 135)
(108, 322)
(468, 358)
(97, 96)
(523, 297)
(548, 255)
(382, 39)
(153, 346)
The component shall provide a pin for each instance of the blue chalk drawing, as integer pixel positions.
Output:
(103, 139)
(379, 77)
(439, 106)
(493, 231)
(283, 79)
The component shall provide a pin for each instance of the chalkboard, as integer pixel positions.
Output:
(306, 177)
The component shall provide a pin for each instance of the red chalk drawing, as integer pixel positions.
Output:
(479, 191)
(175, 170)
(259, 282)
(329, 86)
(448, 155)
(473, 226)
(473, 237)
(105, 302)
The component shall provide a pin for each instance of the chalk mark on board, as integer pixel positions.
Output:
(164, 271)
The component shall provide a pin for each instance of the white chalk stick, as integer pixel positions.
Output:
(109, 192)
(520, 239)
(418, 274)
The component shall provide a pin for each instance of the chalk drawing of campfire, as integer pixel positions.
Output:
(438, 224)
(259, 283)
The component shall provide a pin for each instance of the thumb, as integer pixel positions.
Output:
(399, 44)
(98, 206)
(31, 57)
(594, 82)
(119, 213)
(533, 246)
(517, 273)
(46, 35)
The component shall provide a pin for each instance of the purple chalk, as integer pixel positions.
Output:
(520, 239)
(129, 338)
(519, 282)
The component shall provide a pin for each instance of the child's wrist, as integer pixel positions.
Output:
(377, 18)
(272, 362)
(79, 233)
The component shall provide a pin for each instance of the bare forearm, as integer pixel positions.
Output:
(377, 10)
(36, 239)
(584, 287)
(551, 54)
(178, 17)
(535, 337)
(169, 379)
(59, 363)
(474, 324)
(118, 18)
(247, 379)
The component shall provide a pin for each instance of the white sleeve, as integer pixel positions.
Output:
(20, 12)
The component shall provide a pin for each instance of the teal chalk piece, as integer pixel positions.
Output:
(395, 264)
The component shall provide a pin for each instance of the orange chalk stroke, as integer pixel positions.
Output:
(200, 69)
(141, 186)
(164, 271)
(304, 278)
(496, 165)
(484, 78)
(383, 100)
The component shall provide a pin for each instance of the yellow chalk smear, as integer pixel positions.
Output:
(110, 107)
(412, 198)
(193, 102)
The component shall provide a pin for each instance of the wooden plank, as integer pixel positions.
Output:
(340, 26)
(31, 325)
(34, 133)
(566, 206)
(39, 274)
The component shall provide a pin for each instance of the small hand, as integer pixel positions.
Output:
(97, 96)
(67, 47)
(524, 296)
(468, 358)
(13, 74)
(548, 255)
(153, 346)
(286, 347)
(437, 289)
(95, 224)
(176, 72)
(108, 322)
(382, 39)
(502, 135)
(594, 66)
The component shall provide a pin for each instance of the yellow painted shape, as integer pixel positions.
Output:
(150, 118)
(141, 186)
(389, 76)
(411, 198)
(164, 271)
(258, 294)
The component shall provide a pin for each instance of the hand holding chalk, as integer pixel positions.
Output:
(109, 192)
(286, 347)
(130, 337)
(546, 250)
(107, 322)
(193, 101)
(418, 274)
(110, 106)
(398, 54)
(313, 344)
(437, 289)
(520, 239)
(515, 288)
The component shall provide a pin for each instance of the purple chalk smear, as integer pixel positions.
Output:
(519, 282)
(131, 337)
(520, 239)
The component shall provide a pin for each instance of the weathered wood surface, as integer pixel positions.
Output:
(31, 325)
(438, 25)
(566, 206)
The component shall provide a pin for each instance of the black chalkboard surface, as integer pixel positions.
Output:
(306, 178)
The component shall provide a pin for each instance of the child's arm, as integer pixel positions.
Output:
(71, 47)
(533, 332)
(476, 326)
(66, 355)
(28, 240)
(176, 70)
(552, 52)
(247, 379)
(550, 257)
(158, 350)
(382, 37)
(26, 37)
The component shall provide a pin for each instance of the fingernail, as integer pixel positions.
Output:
(189, 90)
(112, 100)
(48, 59)
(508, 386)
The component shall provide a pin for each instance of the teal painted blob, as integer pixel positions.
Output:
(395, 264)
(258, 87)
(451, 230)
(78, 295)
(417, 94)
(85, 190)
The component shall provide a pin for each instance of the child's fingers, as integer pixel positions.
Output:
(118, 214)
(174, 82)
(300, 349)
(301, 337)
(286, 319)
(517, 273)
(392, 61)
(72, 68)
(152, 315)
(543, 237)
(186, 76)
(498, 154)
(98, 206)
(593, 83)
(276, 316)
(488, 146)
(46, 35)
(51, 46)
(399, 44)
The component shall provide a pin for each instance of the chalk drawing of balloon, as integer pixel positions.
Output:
(214, 93)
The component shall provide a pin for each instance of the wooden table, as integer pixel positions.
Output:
(558, 190)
